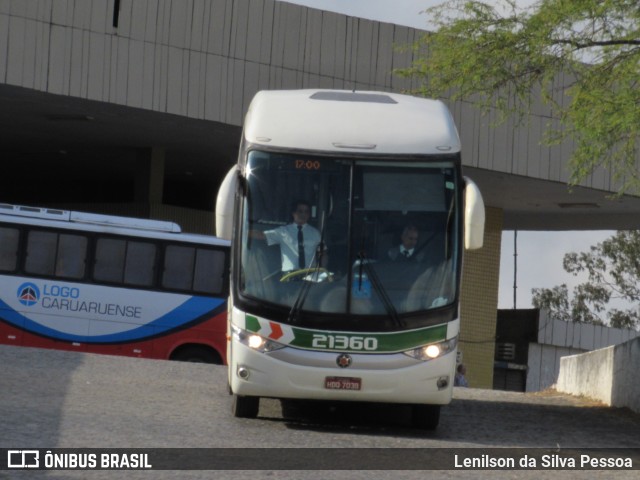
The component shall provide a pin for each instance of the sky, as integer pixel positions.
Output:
(540, 254)
(401, 12)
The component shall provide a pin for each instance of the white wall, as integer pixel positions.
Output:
(544, 364)
(608, 374)
(558, 339)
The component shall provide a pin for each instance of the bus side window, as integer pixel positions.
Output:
(71, 257)
(140, 264)
(122, 261)
(209, 272)
(41, 252)
(109, 262)
(56, 254)
(178, 267)
(9, 240)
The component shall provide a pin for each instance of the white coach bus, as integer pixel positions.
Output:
(365, 306)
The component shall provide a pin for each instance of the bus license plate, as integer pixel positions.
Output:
(343, 383)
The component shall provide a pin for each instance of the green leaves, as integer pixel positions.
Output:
(613, 272)
(582, 56)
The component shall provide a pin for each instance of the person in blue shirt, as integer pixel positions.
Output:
(460, 380)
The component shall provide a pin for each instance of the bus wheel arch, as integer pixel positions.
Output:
(196, 353)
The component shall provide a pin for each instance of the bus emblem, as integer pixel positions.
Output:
(343, 360)
(28, 294)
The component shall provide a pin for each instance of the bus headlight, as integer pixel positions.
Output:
(255, 341)
(433, 350)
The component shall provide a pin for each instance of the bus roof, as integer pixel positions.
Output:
(346, 121)
(93, 222)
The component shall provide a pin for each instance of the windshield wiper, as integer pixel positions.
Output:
(379, 288)
(375, 280)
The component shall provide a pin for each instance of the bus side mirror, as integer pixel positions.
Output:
(224, 205)
(473, 216)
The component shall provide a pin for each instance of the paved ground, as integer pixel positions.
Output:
(51, 399)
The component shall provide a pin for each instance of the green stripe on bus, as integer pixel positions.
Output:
(363, 342)
(335, 341)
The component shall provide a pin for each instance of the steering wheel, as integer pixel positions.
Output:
(294, 274)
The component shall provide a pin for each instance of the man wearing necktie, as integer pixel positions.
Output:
(301, 262)
(298, 240)
(406, 251)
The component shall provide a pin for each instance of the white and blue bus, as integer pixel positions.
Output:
(359, 319)
(114, 285)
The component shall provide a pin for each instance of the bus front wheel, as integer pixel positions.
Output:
(426, 417)
(245, 407)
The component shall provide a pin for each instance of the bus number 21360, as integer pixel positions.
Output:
(344, 342)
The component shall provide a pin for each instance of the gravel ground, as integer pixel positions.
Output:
(53, 399)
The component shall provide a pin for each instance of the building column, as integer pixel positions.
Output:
(149, 177)
(479, 303)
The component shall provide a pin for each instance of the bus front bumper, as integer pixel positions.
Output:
(300, 374)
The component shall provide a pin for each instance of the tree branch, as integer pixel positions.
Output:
(594, 43)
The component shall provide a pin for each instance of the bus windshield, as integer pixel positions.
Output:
(376, 238)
